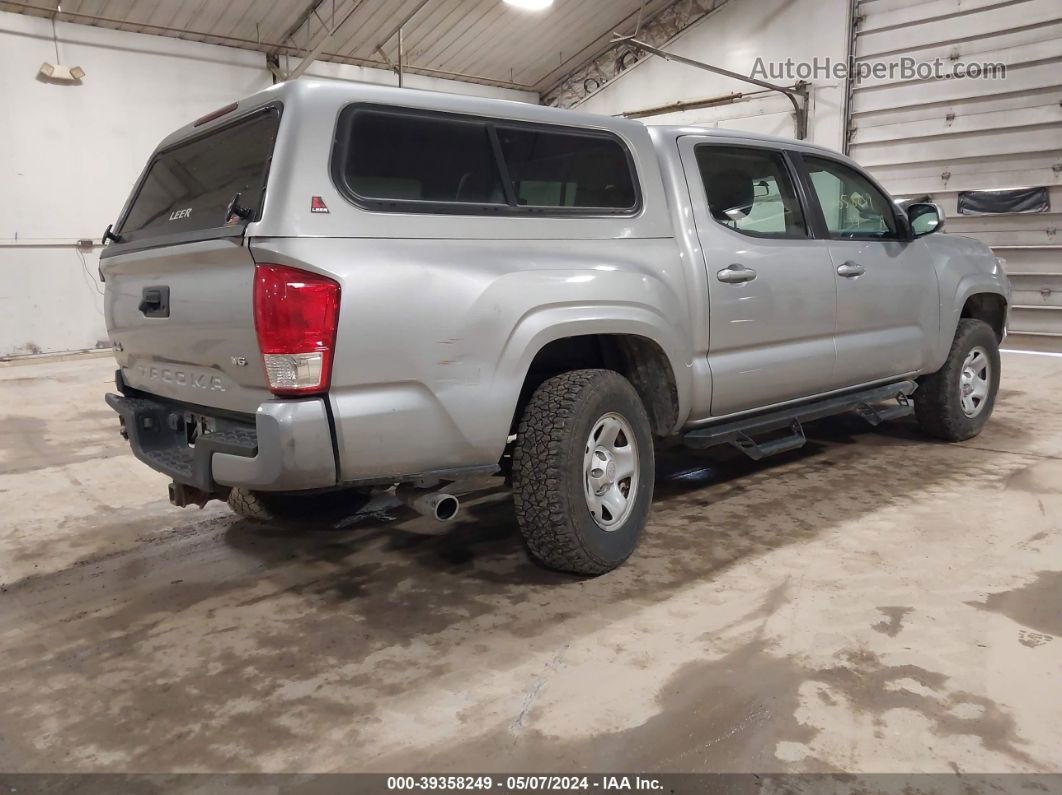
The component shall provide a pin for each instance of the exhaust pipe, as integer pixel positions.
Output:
(433, 503)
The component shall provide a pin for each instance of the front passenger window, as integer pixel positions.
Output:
(853, 208)
(750, 190)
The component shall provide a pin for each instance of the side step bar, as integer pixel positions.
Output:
(740, 432)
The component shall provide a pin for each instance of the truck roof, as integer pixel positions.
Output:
(672, 131)
(327, 94)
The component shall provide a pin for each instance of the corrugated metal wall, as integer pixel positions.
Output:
(943, 136)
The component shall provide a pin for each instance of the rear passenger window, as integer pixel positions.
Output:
(555, 169)
(433, 162)
(420, 158)
(750, 190)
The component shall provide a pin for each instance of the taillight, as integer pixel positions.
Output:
(295, 317)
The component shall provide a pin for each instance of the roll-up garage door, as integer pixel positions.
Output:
(945, 137)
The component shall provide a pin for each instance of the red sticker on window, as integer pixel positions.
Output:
(317, 205)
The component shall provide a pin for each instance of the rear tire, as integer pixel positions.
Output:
(581, 487)
(946, 402)
(276, 506)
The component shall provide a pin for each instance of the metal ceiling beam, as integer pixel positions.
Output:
(689, 104)
(267, 47)
(398, 28)
(593, 49)
(670, 56)
(798, 96)
(611, 60)
(319, 48)
(307, 12)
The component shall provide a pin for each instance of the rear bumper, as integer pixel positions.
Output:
(288, 447)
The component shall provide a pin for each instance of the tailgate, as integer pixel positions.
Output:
(182, 322)
(179, 278)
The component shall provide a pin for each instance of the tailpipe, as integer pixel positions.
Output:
(433, 503)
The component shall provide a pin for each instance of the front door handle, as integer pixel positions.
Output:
(736, 274)
(851, 269)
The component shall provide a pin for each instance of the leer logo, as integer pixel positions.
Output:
(317, 205)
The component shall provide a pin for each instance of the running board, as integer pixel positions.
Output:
(741, 433)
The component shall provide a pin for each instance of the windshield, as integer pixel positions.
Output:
(207, 183)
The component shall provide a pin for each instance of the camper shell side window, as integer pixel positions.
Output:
(422, 161)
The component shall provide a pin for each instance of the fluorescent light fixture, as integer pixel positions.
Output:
(530, 5)
(66, 74)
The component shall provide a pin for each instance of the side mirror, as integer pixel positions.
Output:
(925, 218)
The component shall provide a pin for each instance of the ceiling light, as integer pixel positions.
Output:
(60, 73)
(530, 5)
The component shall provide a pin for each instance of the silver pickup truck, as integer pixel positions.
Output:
(329, 288)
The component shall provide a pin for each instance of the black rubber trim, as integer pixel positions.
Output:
(333, 434)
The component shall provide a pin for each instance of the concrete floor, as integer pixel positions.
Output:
(874, 602)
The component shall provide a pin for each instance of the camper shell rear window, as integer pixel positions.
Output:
(410, 160)
(208, 186)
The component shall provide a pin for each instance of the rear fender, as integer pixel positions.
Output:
(544, 325)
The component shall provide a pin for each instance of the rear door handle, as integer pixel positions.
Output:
(850, 269)
(736, 274)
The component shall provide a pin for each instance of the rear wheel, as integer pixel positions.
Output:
(955, 402)
(272, 506)
(583, 469)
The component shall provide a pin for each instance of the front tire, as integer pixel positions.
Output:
(955, 402)
(583, 469)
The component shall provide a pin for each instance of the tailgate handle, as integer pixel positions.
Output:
(155, 302)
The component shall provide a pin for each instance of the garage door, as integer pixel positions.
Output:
(943, 137)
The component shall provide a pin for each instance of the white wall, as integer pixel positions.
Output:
(732, 38)
(69, 155)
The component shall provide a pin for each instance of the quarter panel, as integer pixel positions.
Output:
(435, 336)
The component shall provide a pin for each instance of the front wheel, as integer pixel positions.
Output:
(955, 402)
(583, 469)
